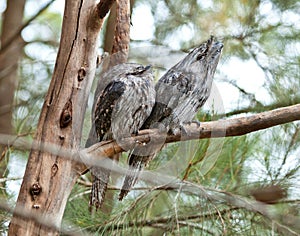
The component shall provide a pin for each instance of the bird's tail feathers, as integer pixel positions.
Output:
(132, 176)
(99, 186)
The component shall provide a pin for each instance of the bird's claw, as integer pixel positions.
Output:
(197, 122)
(184, 131)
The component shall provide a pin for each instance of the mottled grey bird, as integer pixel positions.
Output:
(179, 95)
(122, 107)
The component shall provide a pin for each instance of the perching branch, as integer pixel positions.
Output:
(212, 129)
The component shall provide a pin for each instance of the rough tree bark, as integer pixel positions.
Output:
(48, 178)
(110, 28)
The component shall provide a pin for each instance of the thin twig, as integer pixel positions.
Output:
(288, 150)
(10, 179)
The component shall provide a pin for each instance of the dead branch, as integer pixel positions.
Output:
(212, 129)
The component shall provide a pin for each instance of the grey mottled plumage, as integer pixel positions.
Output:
(123, 105)
(179, 95)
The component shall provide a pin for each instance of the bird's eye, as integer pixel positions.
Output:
(200, 57)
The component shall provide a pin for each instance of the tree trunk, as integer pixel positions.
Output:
(110, 28)
(9, 58)
(49, 178)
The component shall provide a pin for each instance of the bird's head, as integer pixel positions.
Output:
(204, 58)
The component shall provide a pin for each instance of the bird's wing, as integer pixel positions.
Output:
(105, 106)
(172, 91)
(134, 107)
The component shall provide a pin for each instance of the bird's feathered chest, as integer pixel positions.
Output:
(179, 95)
(124, 104)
